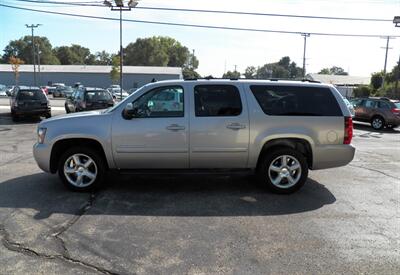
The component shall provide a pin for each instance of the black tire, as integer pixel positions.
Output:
(48, 115)
(66, 109)
(99, 163)
(14, 117)
(263, 175)
(377, 122)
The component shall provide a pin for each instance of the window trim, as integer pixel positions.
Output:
(234, 86)
(163, 87)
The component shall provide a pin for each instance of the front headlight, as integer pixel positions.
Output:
(41, 132)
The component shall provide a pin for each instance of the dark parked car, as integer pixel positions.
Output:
(379, 111)
(62, 91)
(29, 101)
(86, 99)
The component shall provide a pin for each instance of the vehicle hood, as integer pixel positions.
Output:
(74, 116)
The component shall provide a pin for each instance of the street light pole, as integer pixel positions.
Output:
(396, 22)
(119, 6)
(305, 35)
(121, 54)
(33, 26)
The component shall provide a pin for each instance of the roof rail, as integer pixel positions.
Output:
(270, 79)
(211, 78)
(310, 80)
(385, 98)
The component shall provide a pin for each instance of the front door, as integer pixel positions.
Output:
(219, 127)
(157, 137)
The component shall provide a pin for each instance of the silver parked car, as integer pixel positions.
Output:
(277, 129)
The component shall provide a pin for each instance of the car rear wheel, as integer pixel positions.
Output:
(377, 122)
(283, 170)
(82, 169)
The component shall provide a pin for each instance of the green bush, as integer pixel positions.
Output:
(362, 91)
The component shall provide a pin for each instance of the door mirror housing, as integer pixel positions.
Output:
(129, 111)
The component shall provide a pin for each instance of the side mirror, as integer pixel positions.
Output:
(129, 111)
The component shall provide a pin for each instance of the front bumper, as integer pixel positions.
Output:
(330, 156)
(42, 153)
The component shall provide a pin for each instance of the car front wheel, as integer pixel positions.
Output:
(283, 170)
(82, 169)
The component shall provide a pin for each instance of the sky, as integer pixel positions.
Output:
(222, 50)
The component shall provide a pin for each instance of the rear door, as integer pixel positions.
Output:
(219, 127)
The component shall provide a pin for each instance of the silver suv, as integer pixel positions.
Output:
(277, 129)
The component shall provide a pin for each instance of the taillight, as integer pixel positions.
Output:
(348, 130)
(395, 111)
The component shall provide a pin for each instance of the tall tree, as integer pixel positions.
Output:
(103, 58)
(22, 49)
(231, 74)
(74, 55)
(250, 72)
(161, 51)
(333, 70)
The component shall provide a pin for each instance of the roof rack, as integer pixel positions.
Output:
(270, 79)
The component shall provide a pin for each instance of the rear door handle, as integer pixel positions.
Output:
(235, 126)
(175, 127)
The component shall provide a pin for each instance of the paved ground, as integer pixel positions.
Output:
(344, 220)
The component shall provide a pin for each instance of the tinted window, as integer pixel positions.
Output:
(383, 105)
(397, 104)
(217, 100)
(94, 96)
(161, 102)
(296, 101)
(30, 95)
(370, 104)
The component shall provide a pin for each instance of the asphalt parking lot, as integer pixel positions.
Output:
(344, 220)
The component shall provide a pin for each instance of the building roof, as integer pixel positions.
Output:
(94, 69)
(340, 79)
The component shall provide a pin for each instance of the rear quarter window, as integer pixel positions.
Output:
(296, 101)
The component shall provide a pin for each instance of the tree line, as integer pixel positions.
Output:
(152, 51)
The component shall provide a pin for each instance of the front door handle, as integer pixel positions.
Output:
(175, 127)
(235, 126)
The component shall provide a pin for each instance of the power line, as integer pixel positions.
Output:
(93, 4)
(201, 26)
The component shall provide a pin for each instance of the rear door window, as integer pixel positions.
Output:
(217, 100)
(296, 101)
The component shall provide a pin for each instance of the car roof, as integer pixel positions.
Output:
(28, 88)
(93, 89)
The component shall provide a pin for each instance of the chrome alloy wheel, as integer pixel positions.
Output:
(284, 171)
(80, 170)
(377, 123)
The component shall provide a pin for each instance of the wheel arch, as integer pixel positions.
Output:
(61, 145)
(300, 144)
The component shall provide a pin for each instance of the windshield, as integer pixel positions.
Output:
(397, 104)
(109, 110)
(31, 95)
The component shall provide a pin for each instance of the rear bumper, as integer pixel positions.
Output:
(330, 156)
(41, 153)
(395, 121)
(32, 112)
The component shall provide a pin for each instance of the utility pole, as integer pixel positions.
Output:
(386, 55)
(120, 6)
(32, 27)
(305, 35)
(38, 59)
(235, 67)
